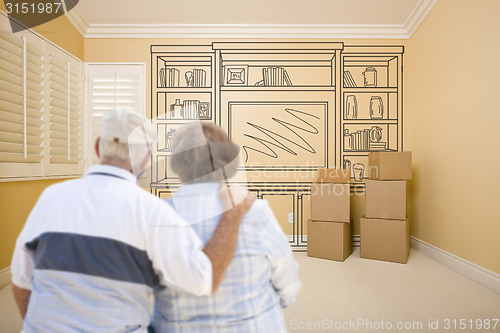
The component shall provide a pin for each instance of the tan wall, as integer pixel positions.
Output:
(61, 32)
(18, 198)
(16, 201)
(454, 86)
(138, 50)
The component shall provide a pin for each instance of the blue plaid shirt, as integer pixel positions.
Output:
(261, 280)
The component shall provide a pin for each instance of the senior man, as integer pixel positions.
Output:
(93, 248)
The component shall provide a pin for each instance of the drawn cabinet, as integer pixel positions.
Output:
(182, 90)
(278, 103)
(291, 107)
(371, 110)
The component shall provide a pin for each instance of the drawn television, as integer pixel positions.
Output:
(280, 135)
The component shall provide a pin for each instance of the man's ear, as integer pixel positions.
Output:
(97, 147)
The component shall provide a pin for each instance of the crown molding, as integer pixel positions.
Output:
(77, 19)
(245, 31)
(417, 16)
(331, 31)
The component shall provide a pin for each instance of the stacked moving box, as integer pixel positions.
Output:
(329, 232)
(385, 229)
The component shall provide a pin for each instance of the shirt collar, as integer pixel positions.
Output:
(112, 171)
(198, 188)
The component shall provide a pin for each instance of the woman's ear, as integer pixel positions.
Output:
(97, 147)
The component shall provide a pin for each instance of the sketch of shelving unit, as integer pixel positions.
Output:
(278, 102)
(182, 90)
(372, 104)
(292, 107)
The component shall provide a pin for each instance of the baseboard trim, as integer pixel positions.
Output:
(474, 272)
(5, 277)
(356, 240)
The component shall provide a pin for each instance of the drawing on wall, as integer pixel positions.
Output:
(196, 78)
(204, 111)
(279, 134)
(274, 77)
(166, 135)
(237, 75)
(189, 110)
(290, 106)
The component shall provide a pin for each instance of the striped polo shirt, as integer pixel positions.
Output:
(92, 250)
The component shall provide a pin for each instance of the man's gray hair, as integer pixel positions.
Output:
(122, 151)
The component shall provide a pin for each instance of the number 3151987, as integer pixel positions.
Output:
(33, 8)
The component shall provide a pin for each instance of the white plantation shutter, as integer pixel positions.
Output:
(65, 113)
(113, 86)
(76, 114)
(41, 107)
(21, 104)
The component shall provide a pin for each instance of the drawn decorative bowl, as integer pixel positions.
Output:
(375, 134)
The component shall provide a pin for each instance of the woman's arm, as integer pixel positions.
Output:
(284, 269)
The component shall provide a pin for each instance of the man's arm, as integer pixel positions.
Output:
(22, 297)
(220, 248)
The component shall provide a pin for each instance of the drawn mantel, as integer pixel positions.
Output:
(291, 107)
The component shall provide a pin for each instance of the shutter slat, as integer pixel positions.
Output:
(18, 119)
(13, 89)
(57, 110)
(56, 119)
(11, 96)
(6, 106)
(19, 138)
(10, 38)
(10, 147)
(7, 78)
(64, 160)
(19, 158)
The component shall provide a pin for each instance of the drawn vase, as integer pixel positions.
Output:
(189, 79)
(347, 140)
(176, 111)
(376, 107)
(347, 164)
(351, 108)
(370, 74)
(375, 134)
(359, 171)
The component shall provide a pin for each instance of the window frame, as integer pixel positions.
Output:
(89, 140)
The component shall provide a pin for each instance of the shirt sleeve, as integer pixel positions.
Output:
(284, 269)
(177, 253)
(23, 266)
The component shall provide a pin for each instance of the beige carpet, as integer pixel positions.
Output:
(361, 292)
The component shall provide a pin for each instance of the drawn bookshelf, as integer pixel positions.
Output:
(182, 89)
(292, 107)
(371, 108)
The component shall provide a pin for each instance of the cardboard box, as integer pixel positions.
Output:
(330, 202)
(339, 176)
(389, 165)
(385, 199)
(329, 240)
(387, 240)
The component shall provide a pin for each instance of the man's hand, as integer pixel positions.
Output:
(236, 197)
(220, 248)
(22, 298)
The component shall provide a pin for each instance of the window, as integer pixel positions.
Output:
(41, 118)
(112, 86)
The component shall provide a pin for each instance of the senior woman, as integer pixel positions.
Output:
(262, 278)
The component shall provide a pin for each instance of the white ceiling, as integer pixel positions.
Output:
(247, 18)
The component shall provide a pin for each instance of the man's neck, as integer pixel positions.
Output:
(118, 164)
